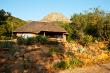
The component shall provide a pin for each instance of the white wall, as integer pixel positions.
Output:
(25, 35)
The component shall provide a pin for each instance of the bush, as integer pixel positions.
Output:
(70, 37)
(86, 40)
(70, 63)
(25, 41)
(62, 65)
(75, 62)
(29, 41)
(32, 40)
(7, 44)
(41, 39)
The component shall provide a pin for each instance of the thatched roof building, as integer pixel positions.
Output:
(50, 29)
(37, 27)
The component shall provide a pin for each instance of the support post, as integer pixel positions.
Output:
(64, 37)
(44, 33)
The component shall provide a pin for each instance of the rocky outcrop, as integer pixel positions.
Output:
(55, 17)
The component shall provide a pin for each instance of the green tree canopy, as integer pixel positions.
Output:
(8, 23)
(94, 22)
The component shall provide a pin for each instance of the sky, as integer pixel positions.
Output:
(37, 9)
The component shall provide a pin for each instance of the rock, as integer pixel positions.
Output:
(55, 17)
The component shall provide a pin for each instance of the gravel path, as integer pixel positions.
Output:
(105, 68)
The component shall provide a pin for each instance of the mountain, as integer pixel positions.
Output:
(55, 17)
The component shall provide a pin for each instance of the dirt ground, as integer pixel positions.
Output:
(103, 68)
(29, 59)
(35, 59)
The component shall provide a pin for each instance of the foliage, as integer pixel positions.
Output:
(41, 39)
(87, 39)
(67, 27)
(8, 24)
(94, 22)
(75, 62)
(29, 40)
(25, 41)
(62, 65)
(10, 46)
(7, 44)
(69, 61)
(32, 40)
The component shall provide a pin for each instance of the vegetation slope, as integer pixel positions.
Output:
(8, 23)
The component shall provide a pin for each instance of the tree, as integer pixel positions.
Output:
(94, 22)
(6, 23)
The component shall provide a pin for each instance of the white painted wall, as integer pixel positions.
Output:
(25, 35)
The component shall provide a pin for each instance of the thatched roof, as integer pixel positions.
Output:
(53, 27)
(36, 27)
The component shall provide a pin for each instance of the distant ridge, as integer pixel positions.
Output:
(54, 16)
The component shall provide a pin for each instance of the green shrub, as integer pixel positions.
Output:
(61, 65)
(97, 39)
(7, 44)
(70, 37)
(41, 39)
(75, 62)
(25, 41)
(30, 40)
(71, 63)
(86, 40)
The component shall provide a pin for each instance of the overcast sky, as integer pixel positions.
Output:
(37, 9)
